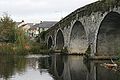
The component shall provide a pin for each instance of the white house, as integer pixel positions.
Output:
(24, 26)
(39, 27)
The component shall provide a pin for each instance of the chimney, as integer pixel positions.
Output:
(22, 20)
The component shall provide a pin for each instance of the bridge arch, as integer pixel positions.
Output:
(78, 39)
(59, 40)
(50, 42)
(108, 35)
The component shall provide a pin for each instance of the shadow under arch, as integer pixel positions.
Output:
(59, 40)
(108, 36)
(78, 39)
(50, 42)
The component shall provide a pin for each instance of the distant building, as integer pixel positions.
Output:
(43, 26)
(24, 26)
(33, 31)
(39, 27)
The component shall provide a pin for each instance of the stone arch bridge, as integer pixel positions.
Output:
(95, 26)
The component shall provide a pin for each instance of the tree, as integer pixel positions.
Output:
(7, 29)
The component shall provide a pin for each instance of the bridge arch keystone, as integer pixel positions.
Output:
(108, 35)
(78, 41)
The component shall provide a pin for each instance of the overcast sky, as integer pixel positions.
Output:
(40, 10)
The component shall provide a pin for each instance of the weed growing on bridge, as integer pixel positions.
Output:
(64, 50)
(88, 52)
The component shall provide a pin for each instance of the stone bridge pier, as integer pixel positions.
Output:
(95, 26)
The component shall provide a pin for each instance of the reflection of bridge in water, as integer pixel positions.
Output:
(73, 68)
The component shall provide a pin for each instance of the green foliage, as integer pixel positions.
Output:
(22, 44)
(6, 48)
(64, 50)
(88, 51)
(118, 52)
(38, 48)
(7, 29)
(12, 38)
(42, 35)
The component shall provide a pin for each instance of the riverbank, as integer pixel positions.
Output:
(28, 48)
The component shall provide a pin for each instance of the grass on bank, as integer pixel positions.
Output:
(32, 48)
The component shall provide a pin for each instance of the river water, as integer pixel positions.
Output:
(54, 67)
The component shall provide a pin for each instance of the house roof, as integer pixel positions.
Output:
(34, 27)
(44, 24)
(18, 23)
(30, 24)
(47, 24)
